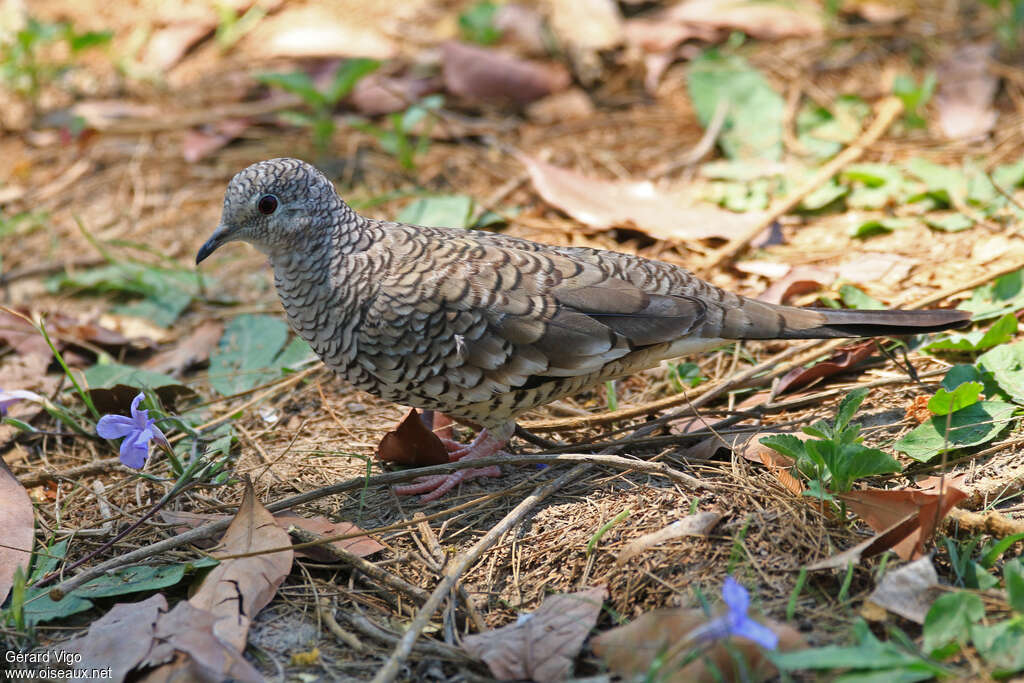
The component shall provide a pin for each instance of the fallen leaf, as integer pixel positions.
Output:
(17, 520)
(917, 409)
(523, 26)
(660, 213)
(841, 360)
(168, 45)
(908, 591)
(105, 114)
(879, 543)
(699, 524)
(654, 640)
(479, 73)
(192, 350)
(120, 639)
(799, 280)
(572, 105)
(876, 268)
(377, 94)
(238, 588)
(118, 398)
(967, 89)
(323, 30)
(412, 444)
(587, 25)
(542, 645)
(201, 142)
(768, 20)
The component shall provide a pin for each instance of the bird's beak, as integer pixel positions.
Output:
(219, 237)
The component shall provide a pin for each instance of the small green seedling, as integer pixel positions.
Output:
(398, 140)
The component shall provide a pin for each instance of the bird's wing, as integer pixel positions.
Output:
(469, 319)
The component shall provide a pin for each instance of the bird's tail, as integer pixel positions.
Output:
(760, 320)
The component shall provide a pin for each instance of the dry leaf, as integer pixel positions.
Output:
(377, 94)
(769, 20)
(120, 639)
(887, 270)
(572, 105)
(192, 350)
(966, 90)
(322, 30)
(237, 589)
(632, 650)
(917, 409)
(523, 26)
(201, 142)
(542, 645)
(841, 360)
(412, 444)
(883, 508)
(587, 25)
(170, 44)
(479, 73)
(908, 591)
(699, 524)
(660, 213)
(16, 529)
(799, 280)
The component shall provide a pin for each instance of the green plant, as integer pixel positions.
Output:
(398, 140)
(24, 66)
(914, 96)
(684, 375)
(319, 119)
(476, 24)
(836, 457)
(1009, 22)
(232, 27)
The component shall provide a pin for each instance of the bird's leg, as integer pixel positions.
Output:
(486, 444)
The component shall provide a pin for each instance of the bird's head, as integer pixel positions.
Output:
(275, 205)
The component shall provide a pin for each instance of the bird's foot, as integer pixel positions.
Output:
(436, 485)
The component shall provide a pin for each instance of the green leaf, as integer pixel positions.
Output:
(138, 579)
(823, 133)
(1001, 645)
(106, 375)
(1013, 576)
(786, 444)
(848, 406)
(914, 97)
(83, 41)
(754, 118)
(868, 654)
(998, 333)
(1005, 295)
(856, 298)
(993, 554)
(970, 426)
(977, 577)
(949, 619)
(294, 354)
(945, 402)
(952, 223)
(245, 356)
(1006, 363)
(942, 183)
(476, 24)
(345, 78)
(296, 83)
(1009, 176)
(879, 226)
(443, 211)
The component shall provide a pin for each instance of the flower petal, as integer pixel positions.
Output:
(757, 632)
(134, 452)
(135, 403)
(115, 426)
(736, 597)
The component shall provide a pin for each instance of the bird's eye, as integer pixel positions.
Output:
(267, 204)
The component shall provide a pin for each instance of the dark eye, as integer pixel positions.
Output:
(267, 204)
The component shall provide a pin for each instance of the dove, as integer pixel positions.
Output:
(484, 326)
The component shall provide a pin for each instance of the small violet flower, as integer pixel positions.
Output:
(137, 431)
(8, 398)
(736, 621)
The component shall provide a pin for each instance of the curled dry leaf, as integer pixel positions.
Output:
(768, 20)
(192, 350)
(16, 529)
(798, 280)
(917, 409)
(966, 90)
(699, 524)
(908, 591)
(661, 213)
(542, 645)
(523, 26)
(412, 444)
(587, 25)
(238, 588)
(479, 73)
(841, 360)
(887, 270)
(657, 638)
(571, 105)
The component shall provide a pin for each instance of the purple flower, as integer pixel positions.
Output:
(8, 398)
(736, 621)
(137, 431)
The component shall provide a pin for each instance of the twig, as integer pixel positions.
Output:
(703, 146)
(888, 110)
(95, 467)
(326, 611)
(430, 647)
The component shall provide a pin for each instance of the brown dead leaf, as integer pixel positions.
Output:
(908, 591)
(363, 546)
(192, 350)
(841, 360)
(238, 588)
(170, 44)
(768, 20)
(572, 105)
(118, 398)
(412, 443)
(479, 73)
(65, 331)
(17, 520)
(881, 509)
(887, 270)
(918, 411)
(633, 649)
(187, 646)
(522, 26)
(660, 213)
(322, 30)
(201, 142)
(120, 639)
(699, 524)
(540, 646)
(587, 25)
(377, 94)
(799, 280)
(967, 89)
(875, 545)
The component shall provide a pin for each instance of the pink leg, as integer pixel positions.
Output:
(436, 485)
